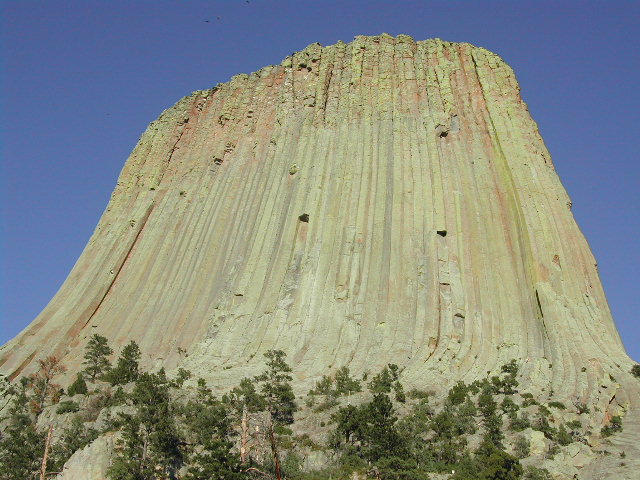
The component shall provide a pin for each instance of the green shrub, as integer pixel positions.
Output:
(635, 370)
(563, 437)
(521, 446)
(181, 377)
(345, 384)
(414, 394)
(67, 406)
(542, 424)
(544, 411)
(511, 367)
(384, 381)
(553, 451)
(520, 423)
(615, 426)
(535, 473)
(558, 405)
(328, 404)
(582, 408)
(509, 406)
(574, 425)
(323, 387)
(458, 393)
(79, 386)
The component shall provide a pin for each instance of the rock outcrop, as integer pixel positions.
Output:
(380, 201)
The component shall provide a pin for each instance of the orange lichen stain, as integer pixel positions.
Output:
(302, 232)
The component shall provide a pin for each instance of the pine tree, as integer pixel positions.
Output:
(96, 356)
(383, 439)
(345, 384)
(563, 436)
(447, 442)
(79, 386)
(149, 447)
(127, 367)
(276, 388)
(21, 446)
(130, 462)
(494, 463)
(246, 396)
(384, 381)
(351, 423)
(492, 421)
(74, 437)
(209, 451)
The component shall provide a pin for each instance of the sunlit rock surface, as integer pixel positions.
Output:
(380, 201)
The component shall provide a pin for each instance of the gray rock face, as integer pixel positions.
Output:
(90, 463)
(380, 201)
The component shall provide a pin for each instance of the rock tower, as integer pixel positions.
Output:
(384, 200)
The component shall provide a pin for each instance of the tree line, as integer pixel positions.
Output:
(176, 428)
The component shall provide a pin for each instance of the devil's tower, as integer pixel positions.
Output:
(380, 201)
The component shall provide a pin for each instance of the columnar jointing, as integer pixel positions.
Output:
(380, 201)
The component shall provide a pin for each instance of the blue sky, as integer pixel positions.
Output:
(81, 80)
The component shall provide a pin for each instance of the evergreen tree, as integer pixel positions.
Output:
(351, 422)
(181, 377)
(563, 437)
(414, 428)
(493, 463)
(209, 450)
(323, 387)
(370, 431)
(245, 395)
(127, 367)
(345, 384)
(149, 447)
(79, 386)
(458, 393)
(447, 443)
(74, 437)
(382, 436)
(492, 421)
(400, 468)
(383, 382)
(96, 356)
(21, 446)
(276, 388)
(131, 461)
(466, 413)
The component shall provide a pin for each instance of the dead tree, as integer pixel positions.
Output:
(45, 457)
(274, 449)
(244, 436)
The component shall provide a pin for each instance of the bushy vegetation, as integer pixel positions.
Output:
(78, 387)
(177, 428)
(614, 425)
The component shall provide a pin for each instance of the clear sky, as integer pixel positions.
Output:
(81, 80)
